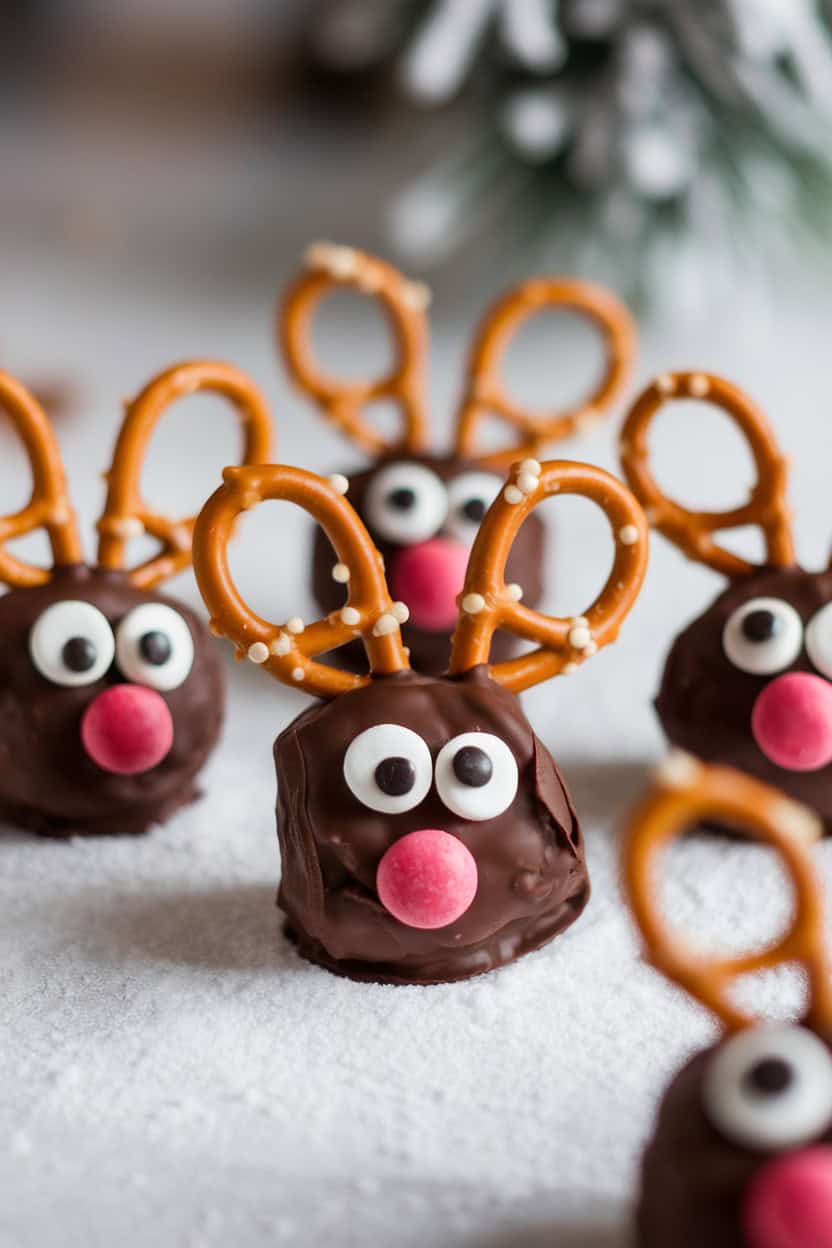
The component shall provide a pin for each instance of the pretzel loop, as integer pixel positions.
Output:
(691, 530)
(487, 603)
(404, 302)
(485, 393)
(288, 652)
(125, 513)
(49, 506)
(686, 793)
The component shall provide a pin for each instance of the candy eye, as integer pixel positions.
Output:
(469, 496)
(154, 646)
(388, 768)
(476, 776)
(819, 640)
(770, 1088)
(406, 503)
(71, 643)
(763, 636)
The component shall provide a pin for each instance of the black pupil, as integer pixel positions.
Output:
(769, 1076)
(79, 654)
(474, 509)
(402, 499)
(760, 625)
(472, 766)
(155, 647)
(395, 776)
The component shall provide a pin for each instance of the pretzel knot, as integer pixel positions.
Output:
(691, 530)
(488, 603)
(49, 506)
(126, 515)
(685, 793)
(289, 651)
(486, 394)
(329, 266)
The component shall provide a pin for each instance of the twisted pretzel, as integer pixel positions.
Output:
(404, 302)
(49, 506)
(125, 513)
(485, 394)
(288, 652)
(487, 603)
(687, 792)
(691, 530)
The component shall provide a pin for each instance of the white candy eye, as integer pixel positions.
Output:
(388, 768)
(469, 496)
(763, 636)
(406, 503)
(71, 643)
(819, 640)
(154, 646)
(770, 1088)
(476, 776)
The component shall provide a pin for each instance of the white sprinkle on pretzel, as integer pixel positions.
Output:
(699, 385)
(295, 625)
(472, 604)
(512, 494)
(385, 624)
(678, 770)
(514, 592)
(258, 652)
(400, 612)
(339, 482)
(350, 617)
(298, 674)
(281, 645)
(628, 535)
(666, 383)
(341, 573)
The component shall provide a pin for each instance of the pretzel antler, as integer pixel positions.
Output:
(691, 530)
(485, 394)
(329, 266)
(288, 651)
(125, 513)
(687, 792)
(49, 506)
(487, 603)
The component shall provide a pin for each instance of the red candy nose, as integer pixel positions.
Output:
(428, 578)
(127, 729)
(427, 879)
(789, 1204)
(792, 721)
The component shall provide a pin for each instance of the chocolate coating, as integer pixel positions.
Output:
(532, 877)
(429, 651)
(694, 1180)
(47, 781)
(705, 702)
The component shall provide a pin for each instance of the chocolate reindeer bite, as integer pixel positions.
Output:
(111, 695)
(741, 1156)
(748, 683)
(425, 832)
(422, 508)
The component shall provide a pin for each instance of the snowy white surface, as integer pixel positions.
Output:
(170, 1071)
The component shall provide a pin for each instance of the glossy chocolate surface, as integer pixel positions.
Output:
(705, 702)
(47, 781)
(532, 877)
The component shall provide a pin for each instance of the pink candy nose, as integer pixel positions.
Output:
(428, 578)
(427, 879)
(127, 729)
(789, 1204)
(792, 721)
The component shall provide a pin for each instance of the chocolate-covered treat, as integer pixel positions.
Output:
(423, 509)
(426, 834)
(741, 1155)
(111, 695)
(748, 683)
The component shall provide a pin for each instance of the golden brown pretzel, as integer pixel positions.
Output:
(691, 530)
(329, 266)
(288, 651)
(125, 513)
(487, 603)
(687, 792)
(485, 394)
(49, 506)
